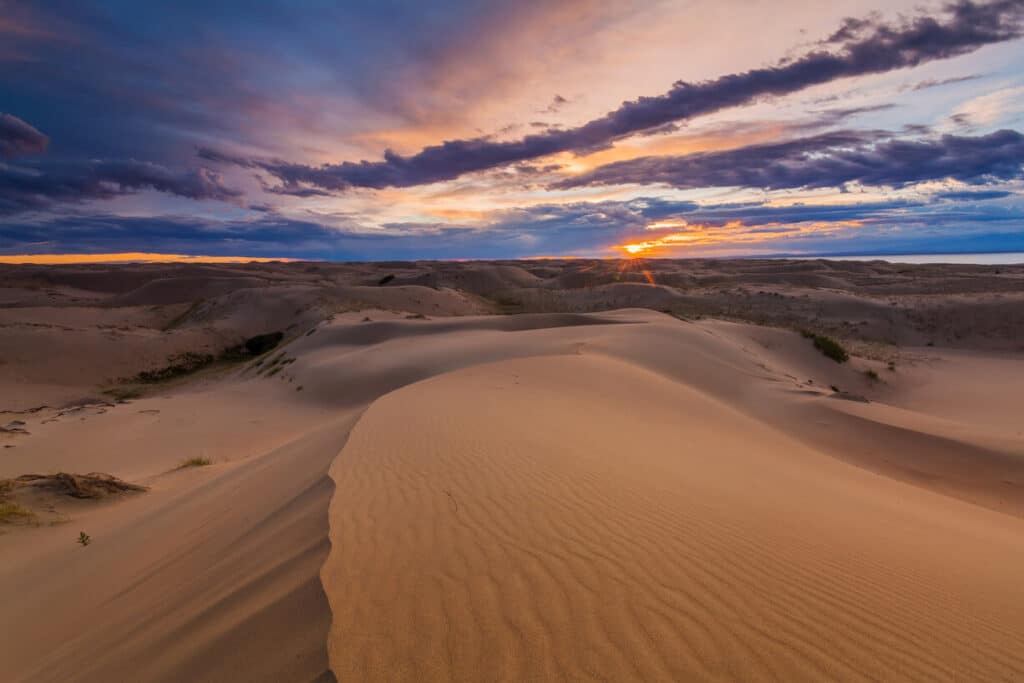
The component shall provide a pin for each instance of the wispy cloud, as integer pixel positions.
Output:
(859, 47)
(827, 160)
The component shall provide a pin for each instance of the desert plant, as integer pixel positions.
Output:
(872, 375)
(84, 539)
(12, 512)
(828, 346)
(195, 462)
(262, 343)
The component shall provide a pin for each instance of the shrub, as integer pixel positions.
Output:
(262, 343)
(195, 462)
(827, 345)
(84, 539)
(12, 512)
(872, 375)
(384, 280)
(180, 365)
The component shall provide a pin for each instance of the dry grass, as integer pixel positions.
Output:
(195, 462)
(11, 512)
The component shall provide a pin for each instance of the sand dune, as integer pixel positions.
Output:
(406, 489)
(480, 532)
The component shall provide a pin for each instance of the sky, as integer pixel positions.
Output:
(387, 130)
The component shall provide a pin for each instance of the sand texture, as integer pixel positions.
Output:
(412, 486)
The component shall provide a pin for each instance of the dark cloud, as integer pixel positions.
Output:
(269, 235)
(859, 47)
(556, 105)
(827, 160)
(25, 188)
(18, 138)
(977, 196)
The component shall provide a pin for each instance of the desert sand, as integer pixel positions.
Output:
(546, 470)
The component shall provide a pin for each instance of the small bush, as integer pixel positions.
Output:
(195, 462)
(180, 365)
(828, 346)
(84, 539)
(872, 375)
(12, 512)
(262, 343)
(384, 280)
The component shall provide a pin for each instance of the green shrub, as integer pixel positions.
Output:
(827, 345)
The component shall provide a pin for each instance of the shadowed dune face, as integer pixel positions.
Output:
(407, 488)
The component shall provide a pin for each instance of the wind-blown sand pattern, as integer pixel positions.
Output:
(619, 495)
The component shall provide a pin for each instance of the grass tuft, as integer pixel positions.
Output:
(12, 512)
(828, 346)
(195, 462)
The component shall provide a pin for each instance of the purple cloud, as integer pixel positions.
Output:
(25, 188)
(859, 47)
(827, 160)
(18, 138)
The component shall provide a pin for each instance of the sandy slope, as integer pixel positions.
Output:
(579, 518)
(618, 495)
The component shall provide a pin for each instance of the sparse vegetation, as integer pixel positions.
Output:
(92, 485)
(190, 362)
(12, 512)
(828, 346)
(872, 375)
(123, 393)
(180, 365)
(84, 539)
(195, 462)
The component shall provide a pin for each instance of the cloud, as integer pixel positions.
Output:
(26, 188)
(859, 47)
(827, 160)
(18, 138)
(556, 105)
(977, 196)
(935, 83)
(582, 228)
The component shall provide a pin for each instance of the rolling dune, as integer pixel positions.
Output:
(407, 495)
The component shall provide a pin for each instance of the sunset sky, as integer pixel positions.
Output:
(396, 130)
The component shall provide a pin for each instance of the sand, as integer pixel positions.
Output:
(414, 488)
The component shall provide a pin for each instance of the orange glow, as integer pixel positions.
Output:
(129, 257)
(732, 233)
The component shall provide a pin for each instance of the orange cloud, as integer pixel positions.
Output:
(732, 233)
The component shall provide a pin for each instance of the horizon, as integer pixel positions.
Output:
(464, 131)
